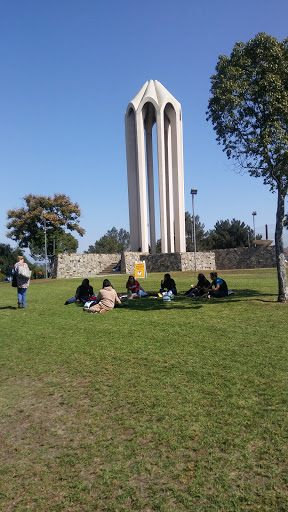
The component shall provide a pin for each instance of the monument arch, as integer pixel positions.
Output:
(154, 105)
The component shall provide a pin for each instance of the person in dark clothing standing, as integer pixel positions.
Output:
(83, 293)
(168, 284)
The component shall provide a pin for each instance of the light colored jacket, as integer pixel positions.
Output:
(107, 297)
(22, 282)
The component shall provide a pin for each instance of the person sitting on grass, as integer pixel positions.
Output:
(220, 287)
(106, 299)
(200, 288)
(134, 290)
(83, 293)
(168, 284)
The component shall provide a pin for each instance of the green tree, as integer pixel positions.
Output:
(228, 234)
(113, 241)
(8, 257)
(58, 214)
(158, 246)
(249, 112)
(199, 231)
(57, 241)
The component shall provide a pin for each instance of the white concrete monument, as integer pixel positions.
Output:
(154, 104)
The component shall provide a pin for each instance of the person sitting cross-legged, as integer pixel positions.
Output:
(200, 288)
(220, 287)
(134, 290)
(83, 293)
(168, 284)
(106, 299)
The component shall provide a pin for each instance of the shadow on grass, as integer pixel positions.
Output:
(155, 304)
(243, 295)
(184, 302)
(8, 307)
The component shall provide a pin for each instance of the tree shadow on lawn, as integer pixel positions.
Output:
(244, 295)
(185, 302)
(155, 304)
(247, 294)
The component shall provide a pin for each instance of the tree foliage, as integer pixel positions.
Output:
(113, 241)
(199, 231)
(58, 213)
(249, 112)
(229, 234)
(8, 257)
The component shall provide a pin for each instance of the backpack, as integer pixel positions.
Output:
(23, 271)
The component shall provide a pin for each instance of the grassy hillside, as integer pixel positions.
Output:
(153, 407)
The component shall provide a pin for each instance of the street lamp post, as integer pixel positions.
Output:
(253, 214)
(193, 193)
(45, 242)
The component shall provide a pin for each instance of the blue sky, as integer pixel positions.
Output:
(69, 70)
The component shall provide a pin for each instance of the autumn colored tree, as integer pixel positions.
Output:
(249, 113)
(55, 214)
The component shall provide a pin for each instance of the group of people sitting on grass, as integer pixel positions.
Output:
(216, 288)
(107, 297)
(104, 301)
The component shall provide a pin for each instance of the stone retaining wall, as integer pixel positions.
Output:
(204, 260)
(85, 265)
(245, 257)
(169, 262)
(154, 262)
(82, 265)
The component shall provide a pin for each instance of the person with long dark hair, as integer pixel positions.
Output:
(168, 284)
(134, 290)
(200, 288)
(106, 299)
(83, 293)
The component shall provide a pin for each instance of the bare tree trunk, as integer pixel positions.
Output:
(280, 257)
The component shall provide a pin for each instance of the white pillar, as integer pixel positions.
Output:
(133, 184)
(143, 218)
(149, 152)
(169, 185)
(162, 180)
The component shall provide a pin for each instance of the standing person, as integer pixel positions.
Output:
(220, 286)
(22, 272)
(168, 284)
(106, 299)
(83, 293)
(134, 289)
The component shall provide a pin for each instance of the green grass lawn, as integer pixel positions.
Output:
(153, 407)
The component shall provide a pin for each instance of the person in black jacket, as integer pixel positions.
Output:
(168, 284)
(83, 293)
(200, 288)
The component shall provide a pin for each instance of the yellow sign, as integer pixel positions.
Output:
(140, 269)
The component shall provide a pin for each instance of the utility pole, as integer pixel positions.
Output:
(193, 193)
